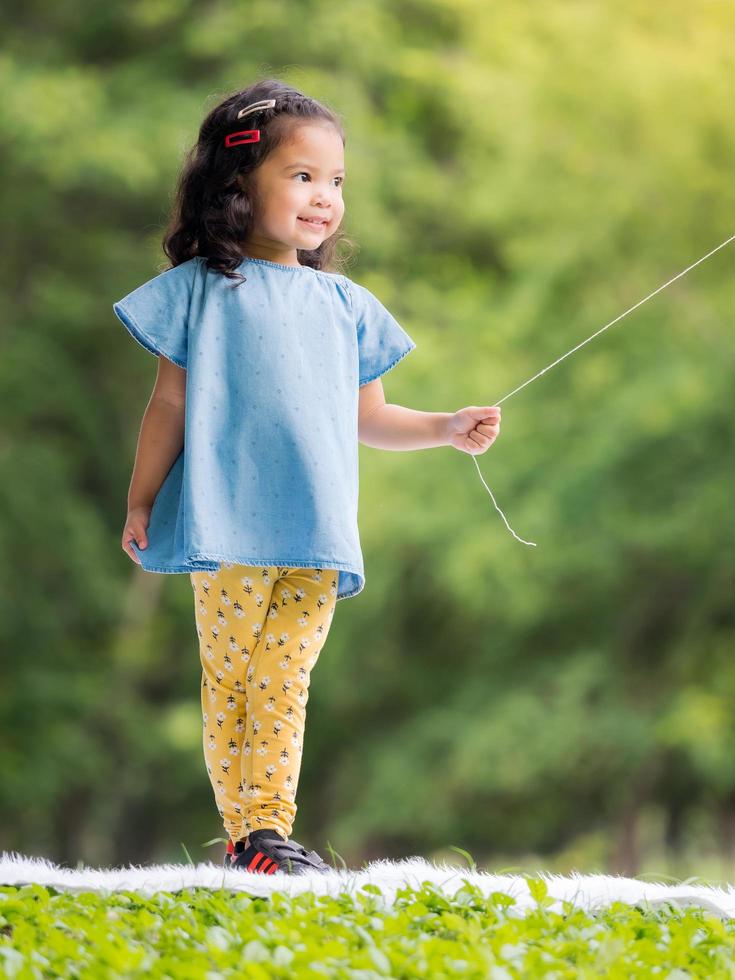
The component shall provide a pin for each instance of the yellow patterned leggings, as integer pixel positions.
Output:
(260, 629)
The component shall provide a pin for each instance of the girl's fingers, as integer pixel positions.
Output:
(129, 551)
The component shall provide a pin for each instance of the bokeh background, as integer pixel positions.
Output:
(518, 175)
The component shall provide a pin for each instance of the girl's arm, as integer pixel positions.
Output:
(395, 427)
(472, 430)
(161, 436)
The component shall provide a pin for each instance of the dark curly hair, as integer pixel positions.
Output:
(213, 208)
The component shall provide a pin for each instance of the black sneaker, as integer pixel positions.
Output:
(268, 852)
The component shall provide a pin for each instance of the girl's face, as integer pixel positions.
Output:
(300, 180)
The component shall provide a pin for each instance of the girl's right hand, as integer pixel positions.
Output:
(136, 525)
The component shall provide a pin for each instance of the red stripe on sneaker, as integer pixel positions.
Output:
(262, 866)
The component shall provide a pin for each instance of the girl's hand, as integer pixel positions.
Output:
(136, 525)
(473, 430)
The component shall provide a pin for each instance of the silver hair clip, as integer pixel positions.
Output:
(255, 106)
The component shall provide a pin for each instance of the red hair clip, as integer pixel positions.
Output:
(248, 136)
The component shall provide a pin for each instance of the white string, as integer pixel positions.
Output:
(560, 359)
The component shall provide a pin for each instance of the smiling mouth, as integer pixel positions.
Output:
(314, 224)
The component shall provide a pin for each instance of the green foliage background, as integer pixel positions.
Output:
(518, 175)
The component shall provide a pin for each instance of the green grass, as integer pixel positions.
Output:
(215, 934)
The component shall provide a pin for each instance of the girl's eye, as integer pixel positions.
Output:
(304, 172)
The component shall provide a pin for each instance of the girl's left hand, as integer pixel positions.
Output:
(473, 430)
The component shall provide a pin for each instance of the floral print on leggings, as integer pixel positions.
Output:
(261, 629)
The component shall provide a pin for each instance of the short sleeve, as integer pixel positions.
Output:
(157, 313)
(381, 341)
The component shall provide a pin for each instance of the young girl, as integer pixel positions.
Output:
(246, 472)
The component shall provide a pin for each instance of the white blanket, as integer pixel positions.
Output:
(583, 891)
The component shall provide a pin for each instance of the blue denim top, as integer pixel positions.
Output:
(268, 474)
